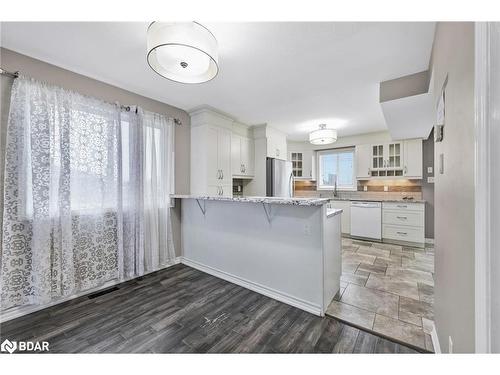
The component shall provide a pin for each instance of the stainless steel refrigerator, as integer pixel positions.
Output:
(279, 178)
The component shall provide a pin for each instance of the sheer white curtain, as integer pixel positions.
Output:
(61, 194)
(148, 180)
(85, 194)
(158, 182)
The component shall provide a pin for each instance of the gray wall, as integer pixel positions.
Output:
(52, 74)
(413, 84)
(427, 188)
(453, 57)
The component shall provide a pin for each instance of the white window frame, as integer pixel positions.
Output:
(354, 185)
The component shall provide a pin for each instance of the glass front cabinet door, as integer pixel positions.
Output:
(297, 160)
(394, 160)
(378, 162)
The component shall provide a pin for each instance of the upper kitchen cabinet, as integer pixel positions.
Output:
(210, 153)
(242, 156)
(363, 161)
(276, 144)
(413, 158)
(400, 159)
(303, 164)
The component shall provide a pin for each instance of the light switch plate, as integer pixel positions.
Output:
(430, 180)
(429, 170)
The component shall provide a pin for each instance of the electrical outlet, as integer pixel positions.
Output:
(429, 170)
(450, 345)
(365, 188)
(430, 180)
(386, 188)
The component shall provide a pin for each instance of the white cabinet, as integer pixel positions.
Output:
(403, 222)
(211, 160)
(242, 156)
(276, 144)
(387, 160)
(303, 164)
(363, 157)
(345, 206)
(400, 159)
(413, 158)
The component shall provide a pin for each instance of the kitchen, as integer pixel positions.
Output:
(378, 192)
(211, 202)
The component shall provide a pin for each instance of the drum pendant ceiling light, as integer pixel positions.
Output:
(323, 136)
(183, 52)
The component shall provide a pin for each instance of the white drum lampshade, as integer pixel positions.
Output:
(323, 136)
(183, 52)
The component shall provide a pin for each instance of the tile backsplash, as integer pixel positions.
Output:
(395, 189)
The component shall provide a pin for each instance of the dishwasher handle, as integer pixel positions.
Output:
(366, 204)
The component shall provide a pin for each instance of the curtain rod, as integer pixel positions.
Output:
(9, 74)
(125, 108)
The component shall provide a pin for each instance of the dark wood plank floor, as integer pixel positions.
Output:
(183, 310)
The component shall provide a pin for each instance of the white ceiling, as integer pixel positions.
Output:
(292, 76)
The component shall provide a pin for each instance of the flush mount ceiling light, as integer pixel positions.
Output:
(323, 136)
(183, 52)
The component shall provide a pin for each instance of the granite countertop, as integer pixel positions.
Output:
(333, 212)
(268, 200)
(401, 200)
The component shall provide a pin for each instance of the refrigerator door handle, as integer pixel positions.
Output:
(291, 185)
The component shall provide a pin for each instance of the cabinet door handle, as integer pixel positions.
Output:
(244, 168)
(405, 170)
(221, 190)
(221, 174)
(402, 206)
(402, 233)
(402, 217)
(277, 152)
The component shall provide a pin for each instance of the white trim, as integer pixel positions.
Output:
(269, 292)
(17, 312)
(435, 340)
(482, 167)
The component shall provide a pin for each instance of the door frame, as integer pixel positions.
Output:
(486, 182)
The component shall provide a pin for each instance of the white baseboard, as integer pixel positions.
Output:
(269, 292)
(435, 339)
(16, 312)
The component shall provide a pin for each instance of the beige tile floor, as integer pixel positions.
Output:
(388, 289)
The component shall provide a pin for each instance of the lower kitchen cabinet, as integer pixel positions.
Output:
(403, 222)
(345, 206)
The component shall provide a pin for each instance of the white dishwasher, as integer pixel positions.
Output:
(366, 220)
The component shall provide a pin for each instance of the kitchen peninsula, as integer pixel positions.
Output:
(286, 248)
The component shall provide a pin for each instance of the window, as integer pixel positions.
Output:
(336, 164)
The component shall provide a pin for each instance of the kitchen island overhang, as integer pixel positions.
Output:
(288, 249)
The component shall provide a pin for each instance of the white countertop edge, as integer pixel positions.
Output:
(333, 212)
(269, 200)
